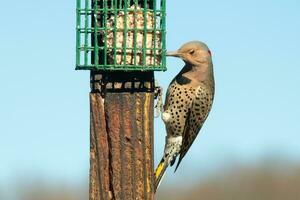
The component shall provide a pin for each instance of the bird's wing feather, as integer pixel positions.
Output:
(194, 123)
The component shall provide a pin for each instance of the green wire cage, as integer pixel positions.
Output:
(127, 35)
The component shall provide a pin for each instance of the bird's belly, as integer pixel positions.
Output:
(175, 119)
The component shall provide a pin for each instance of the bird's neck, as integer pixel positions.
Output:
(198, 73)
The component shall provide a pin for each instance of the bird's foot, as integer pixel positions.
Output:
(158, 96)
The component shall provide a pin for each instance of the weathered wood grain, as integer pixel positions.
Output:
(121, 136)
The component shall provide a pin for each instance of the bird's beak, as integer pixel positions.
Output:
(173, 54)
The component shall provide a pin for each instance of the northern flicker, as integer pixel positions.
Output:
(188, 102)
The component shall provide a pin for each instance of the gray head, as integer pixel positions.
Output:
(194, 53)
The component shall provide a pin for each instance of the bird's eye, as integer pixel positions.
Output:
(192, 52)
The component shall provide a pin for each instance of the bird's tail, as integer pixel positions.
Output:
(160, 171)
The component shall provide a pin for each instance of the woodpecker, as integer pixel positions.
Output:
(188, 102)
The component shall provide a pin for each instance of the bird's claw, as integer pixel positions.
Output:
(158, 91)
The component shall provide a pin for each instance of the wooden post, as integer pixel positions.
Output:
(121, 106)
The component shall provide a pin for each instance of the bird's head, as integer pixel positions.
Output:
(193, 53)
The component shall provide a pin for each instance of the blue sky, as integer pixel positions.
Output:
(44, 106)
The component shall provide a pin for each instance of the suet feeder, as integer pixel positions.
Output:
(122, 42)
(121, 35)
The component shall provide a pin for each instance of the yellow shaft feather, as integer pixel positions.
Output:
(159, 172)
